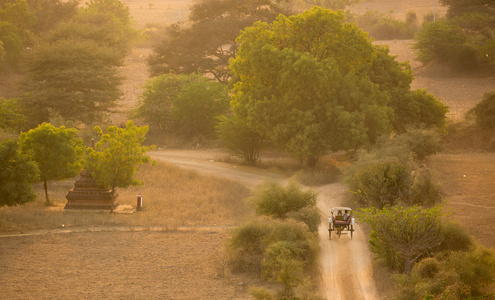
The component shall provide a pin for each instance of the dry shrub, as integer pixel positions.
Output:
(172, 197)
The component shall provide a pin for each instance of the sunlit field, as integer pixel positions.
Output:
(171, 198)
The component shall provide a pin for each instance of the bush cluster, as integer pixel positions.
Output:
(382, 26)
(281, 245)
(388, 174)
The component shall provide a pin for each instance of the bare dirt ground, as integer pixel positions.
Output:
(176, 265)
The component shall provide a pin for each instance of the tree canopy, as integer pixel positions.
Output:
(313, 83)
(409, 232)
(116, 156)
(208, 44)
(185, 106)
(17, 173)
(72, 71)
(465, 40)
(56, 150)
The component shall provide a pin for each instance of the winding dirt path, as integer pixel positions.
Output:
(346, 264)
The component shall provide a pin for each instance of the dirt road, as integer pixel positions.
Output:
(345, 263)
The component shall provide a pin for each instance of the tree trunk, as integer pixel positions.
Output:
(47, 203)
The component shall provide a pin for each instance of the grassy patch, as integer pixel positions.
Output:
(172, 197)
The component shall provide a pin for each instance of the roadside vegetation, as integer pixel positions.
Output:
(280, 244)
(271, 78)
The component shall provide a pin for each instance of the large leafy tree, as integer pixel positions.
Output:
(313, 83)
(16, 31)
(57, 151)
(296, 81)
(17, 173)
(115, 158)
(404, 233)
(187, 105)
(465, 40)
(208, 44)
(50, 12)
(73, 71)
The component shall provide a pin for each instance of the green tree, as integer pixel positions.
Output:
(465, 40)
(73, 71)
(187, 105)
(484, 112)
(281, 263)
(50, 12)
(277, 201)
(381, 185)
(17, 173)
(17, 13)
(208, 44)
(117, 155)
(11, 45)
(404, 233)
(10, 114)
(295, 82)
(240, 139)
(57, 151)
(115, 10)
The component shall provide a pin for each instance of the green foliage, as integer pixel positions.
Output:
(420, 142)
(260, 293)
(208, 44)
(466, 40)
(73, 71)
(402, 235)
(187, 105)
(276, 200)
(116, 156)
(282, 263)
(455, 238)
(424, 191)
(308, 215)
(11, 43)
(11, 117)
(484, 112)
(17, 173)
(437, 40)
(115, 10)
(382, 26)
(251, 241)
(239, 139)
(295, 82)
(382, 184)
(50, 12)
(57, 151)
(18, 14)
(450, 275)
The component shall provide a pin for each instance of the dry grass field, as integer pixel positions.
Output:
(170, 249)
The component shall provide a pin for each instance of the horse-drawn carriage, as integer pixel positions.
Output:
(340, 219)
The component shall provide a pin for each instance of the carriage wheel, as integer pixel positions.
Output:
(339, 231)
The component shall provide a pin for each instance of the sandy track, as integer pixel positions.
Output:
(346, 264)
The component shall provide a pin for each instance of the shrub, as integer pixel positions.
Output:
(484, 112)
(275, 200)
(382, 27)
(424, 191)
(17, 173)
(450, 275)
(282, 263)
(309, 216)
(436, 41)
(455, 238)
(382, 184)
